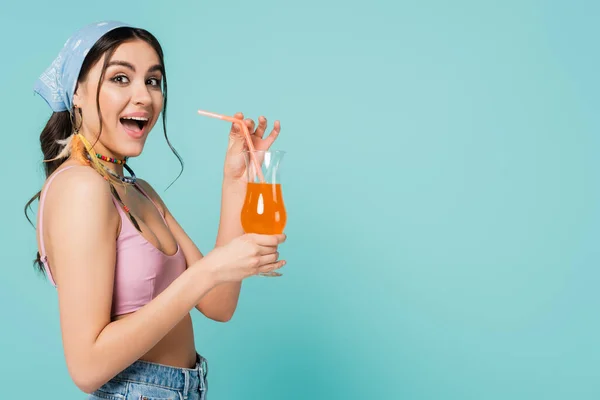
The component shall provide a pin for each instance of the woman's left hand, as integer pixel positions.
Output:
(235, 166)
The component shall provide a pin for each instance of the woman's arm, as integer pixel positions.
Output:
(81, 235)
(220, 303)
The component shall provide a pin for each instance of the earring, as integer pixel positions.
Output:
(76, 128)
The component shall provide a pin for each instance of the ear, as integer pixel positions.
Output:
(78, 95)
(77, 100)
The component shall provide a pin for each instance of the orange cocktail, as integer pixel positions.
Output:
(263, 211)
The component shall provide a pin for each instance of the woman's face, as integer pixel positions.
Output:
(131, 100)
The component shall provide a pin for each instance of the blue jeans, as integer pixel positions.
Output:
(149, 381)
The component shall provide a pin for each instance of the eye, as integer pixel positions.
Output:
(120, 79)
(154, 82)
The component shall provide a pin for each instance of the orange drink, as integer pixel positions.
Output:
(263, 211)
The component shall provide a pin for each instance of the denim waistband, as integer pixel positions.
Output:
(164, 375)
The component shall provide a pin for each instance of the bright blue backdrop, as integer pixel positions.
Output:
(441, 182)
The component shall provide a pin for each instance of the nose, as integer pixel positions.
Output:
(140, 95)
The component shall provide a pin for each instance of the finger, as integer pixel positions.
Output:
(282, 237)
(274, 133)
(268, 240)
(250, 124)
(265, 269)
(235, 126)
(268, 259)
(262, 127)
(266, 250)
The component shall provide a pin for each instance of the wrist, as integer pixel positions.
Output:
(230, 182)
(205, 271)
(233, 190)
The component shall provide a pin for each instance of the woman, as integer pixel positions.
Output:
(126, 273)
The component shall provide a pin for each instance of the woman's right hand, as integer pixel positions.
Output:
(246, 255)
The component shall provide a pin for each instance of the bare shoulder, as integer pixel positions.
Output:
(80, 194)
(80, 225)
(78, 184)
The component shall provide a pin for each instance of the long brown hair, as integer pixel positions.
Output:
(60, 125)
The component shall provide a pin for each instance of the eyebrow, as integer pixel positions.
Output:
(125, 64)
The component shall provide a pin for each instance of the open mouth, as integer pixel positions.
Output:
(134, 124)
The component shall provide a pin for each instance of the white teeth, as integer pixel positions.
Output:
(137, 118)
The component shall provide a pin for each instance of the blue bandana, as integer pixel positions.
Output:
(57, 84)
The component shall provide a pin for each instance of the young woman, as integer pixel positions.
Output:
(126, 273)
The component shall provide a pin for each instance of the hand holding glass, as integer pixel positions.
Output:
(263, 211)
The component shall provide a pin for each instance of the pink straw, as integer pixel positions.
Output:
(246, 135)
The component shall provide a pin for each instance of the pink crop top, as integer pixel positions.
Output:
(142, 271)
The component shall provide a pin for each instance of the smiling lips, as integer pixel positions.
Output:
(135, 124)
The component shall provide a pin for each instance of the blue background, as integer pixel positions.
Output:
(440, 178)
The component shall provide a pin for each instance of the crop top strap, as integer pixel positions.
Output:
(138, 187)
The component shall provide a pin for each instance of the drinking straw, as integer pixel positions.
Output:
(246, 135)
